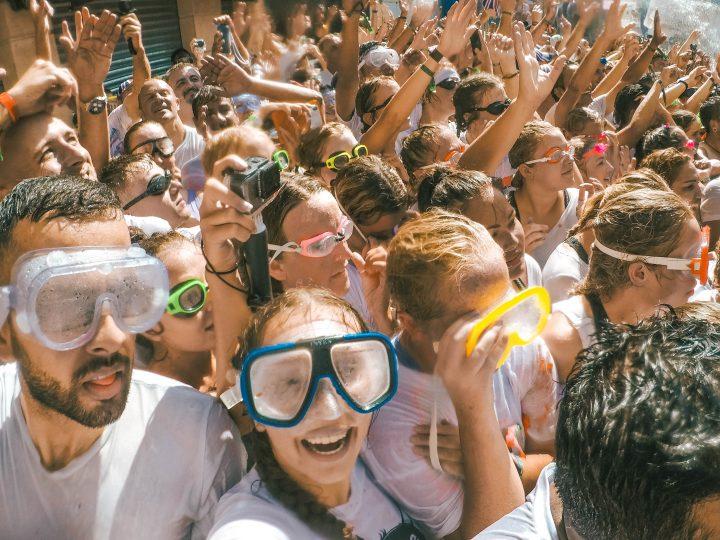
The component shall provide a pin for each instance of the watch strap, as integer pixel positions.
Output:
(7, 101)
(436, 55)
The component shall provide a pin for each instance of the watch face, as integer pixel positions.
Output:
(97, 105)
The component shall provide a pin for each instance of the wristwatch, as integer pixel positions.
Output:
(97, 104)
(436, 55)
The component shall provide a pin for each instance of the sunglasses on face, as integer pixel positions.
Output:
(338, 160)
(448, 84)
(553, 156)
(496, 108)
(187, 298)
(157, 185)
(381, 106)
(162, 147)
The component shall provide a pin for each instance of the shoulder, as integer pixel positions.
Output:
(248, 511)
(562, 339)
(9, 388)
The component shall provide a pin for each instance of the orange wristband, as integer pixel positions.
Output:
(7, 101)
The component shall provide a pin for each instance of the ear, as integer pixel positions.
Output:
(277, 270)
(714, 126)
(639, 274)
(525, 170)
(406, 323)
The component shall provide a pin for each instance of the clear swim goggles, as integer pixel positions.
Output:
(321, 245)
(523, 316)
(58, 295)
(380, 56)
(278, 383)
(697, 266)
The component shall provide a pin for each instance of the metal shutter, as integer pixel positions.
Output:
(161, 34)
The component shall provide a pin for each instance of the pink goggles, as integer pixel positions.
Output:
(321, 245)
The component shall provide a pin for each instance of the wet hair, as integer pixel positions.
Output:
(469, 92)
(127, 147)
(526, 144)
(646, 178)
(684, 119)
(312, 142)
(365, 94)
(578, 119)
(705, 311)
(441, 255)
(281, 12)
(710, 110)
(178, 67)
(451, 189)
(637, 435)
(180, 56)
(115, 173)
(244, 141)
(643, 222)
(667, 163)
(286, 490)
(660, 138)
(205, 96)
(369, 188)
(302, 76)
(419, 148)
(626, 102)
(367, 47)
(47, 198)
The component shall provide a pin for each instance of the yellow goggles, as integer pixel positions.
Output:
(524, 315)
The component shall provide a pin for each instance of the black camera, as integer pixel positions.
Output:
(257, 184)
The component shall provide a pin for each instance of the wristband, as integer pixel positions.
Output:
(402, 17)
(512, 75)
(507, 13)
(7, 101)
(209, 267)
(436, 55)
(430, 73)
(685, 83)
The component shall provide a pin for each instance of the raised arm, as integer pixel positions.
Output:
(89, 57)
(454, 37)
(583, 76)
(132, 30)
(644, 117)
(639, 67)
(488, 150)
(41, 12)
(616, 73)
(507, 12)
(348, 60)
(701, 94)
(586, 12)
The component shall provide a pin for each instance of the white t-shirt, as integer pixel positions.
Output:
(248, 511)
(356, 296)
(534, 272)
(579, 316)
(710, 201)
(563, 270)
(157, 472)
(558, 233)
(191, 147)
(525, 393)
(119, 122)
(531, 521)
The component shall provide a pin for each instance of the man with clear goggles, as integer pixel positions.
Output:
(90, 432)
(278, 383)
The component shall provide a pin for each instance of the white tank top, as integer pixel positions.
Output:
(580, 317)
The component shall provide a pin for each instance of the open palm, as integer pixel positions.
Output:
(535, 85)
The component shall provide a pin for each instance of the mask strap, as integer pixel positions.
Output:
(433, 442)
(231, 397)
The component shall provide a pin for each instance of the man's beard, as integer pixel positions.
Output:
(49, 393)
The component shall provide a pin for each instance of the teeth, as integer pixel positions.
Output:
(327, 440)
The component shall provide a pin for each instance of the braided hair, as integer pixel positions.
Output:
(277, 481)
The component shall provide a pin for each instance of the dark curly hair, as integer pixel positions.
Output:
(637, 439)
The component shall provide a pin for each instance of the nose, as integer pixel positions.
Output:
(109, 338)
(326, 404)
(342, 251)
(73, 157)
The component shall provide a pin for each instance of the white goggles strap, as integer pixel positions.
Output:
(231, 397)
(433, 442)
(669, 262)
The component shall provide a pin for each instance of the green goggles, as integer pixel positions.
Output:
(338, 160)
(187, 298)
(281, 159)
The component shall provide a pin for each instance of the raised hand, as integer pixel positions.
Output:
(41, 12)
(420, 41)
(658, 38)
(132, 30)
(224, 72)
(587, 11)
(448, 443)
(458, 28)
(89, 54)
(535, 85)
(535, 234)
(614, 28)
(239, 17)
(42, 87)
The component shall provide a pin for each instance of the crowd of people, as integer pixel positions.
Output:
(487, 232)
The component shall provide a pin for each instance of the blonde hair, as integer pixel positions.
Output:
(244, 141)
(526, 144)
(667, 163)
(441, 255)
(643, 222)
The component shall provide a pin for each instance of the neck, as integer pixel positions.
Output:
(629, 305)
(192, 368)
(587, 237)
(432, 114)
(175, 130)
(185, 113)
(421, 352)
(538, 201)
(57, 439)
(713, 141)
